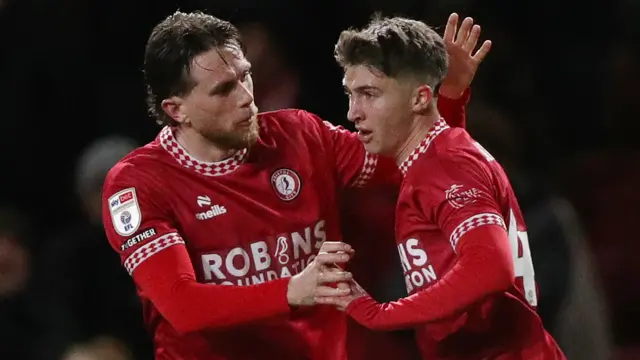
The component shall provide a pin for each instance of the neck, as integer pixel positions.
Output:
(200, 147)
(420, 127)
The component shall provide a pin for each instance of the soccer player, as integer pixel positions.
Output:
(460, 234)
(368, 214)
(228, 219)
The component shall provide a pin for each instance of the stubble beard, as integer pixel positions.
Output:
(237, 139)
(251, 136)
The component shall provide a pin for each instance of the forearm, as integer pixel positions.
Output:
(484, 267)
(169, 282)
(194, 306)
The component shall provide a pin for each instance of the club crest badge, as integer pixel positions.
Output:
(286, 184)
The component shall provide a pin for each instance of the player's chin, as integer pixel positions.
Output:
(251, 138)
(372, 147)
(250, 134)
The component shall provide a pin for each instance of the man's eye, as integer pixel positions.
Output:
(225, 90)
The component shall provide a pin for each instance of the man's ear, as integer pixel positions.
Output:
(174, 107)
(422, 98)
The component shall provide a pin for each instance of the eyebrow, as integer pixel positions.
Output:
(224, 85)
(221, 86)
(361, 89)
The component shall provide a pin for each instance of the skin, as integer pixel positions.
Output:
(388, 112)
(218, 116)
(394, 115)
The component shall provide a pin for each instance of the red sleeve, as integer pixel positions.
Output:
(461, 201)
(139, 227)
(484, 267)
(454, 110)
(460, 195)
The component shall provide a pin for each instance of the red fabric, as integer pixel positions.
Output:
(246, 221)
(453, 188)
(454, 110)
(368, 221)
(484, 267)
(169, 281)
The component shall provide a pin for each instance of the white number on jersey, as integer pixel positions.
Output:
(523, 265)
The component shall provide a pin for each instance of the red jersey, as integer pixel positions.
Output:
(368, 217)
(451, 187)
(250, 221)
(256, 217)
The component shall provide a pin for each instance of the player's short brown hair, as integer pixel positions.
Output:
(396, 47)
(172, 46)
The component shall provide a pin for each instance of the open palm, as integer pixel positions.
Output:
(463, 62)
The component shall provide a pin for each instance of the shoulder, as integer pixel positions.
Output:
(454, 147)
(289, 119)
(449, 141)
(452, 156)
(296, 120)
(139, 168)
(295, 126)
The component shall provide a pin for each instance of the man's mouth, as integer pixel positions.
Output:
(364, 135)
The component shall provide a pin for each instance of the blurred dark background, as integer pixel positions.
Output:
(555, 102)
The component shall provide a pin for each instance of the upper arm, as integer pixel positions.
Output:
(354, 166)
(137, 224)
(458, 196)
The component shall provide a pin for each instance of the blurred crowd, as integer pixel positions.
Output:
(554, 102)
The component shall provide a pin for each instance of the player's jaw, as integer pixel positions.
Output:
(373, 141)
(251, 130)
(232, 133)
(377, 140)
(245, 129)
(367, 137)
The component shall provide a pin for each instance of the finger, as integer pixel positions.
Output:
(326, 267)
(351, 253)
(335, 246)
(333, 276)
(344, 286)
(327, 259)
(483, 51)
(356, 289)
(327, 291)
(450, 29)
(341, 302)
(323, 268)
(464, 31)
(472, 40)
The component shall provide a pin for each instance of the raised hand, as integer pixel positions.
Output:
(463, 62)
